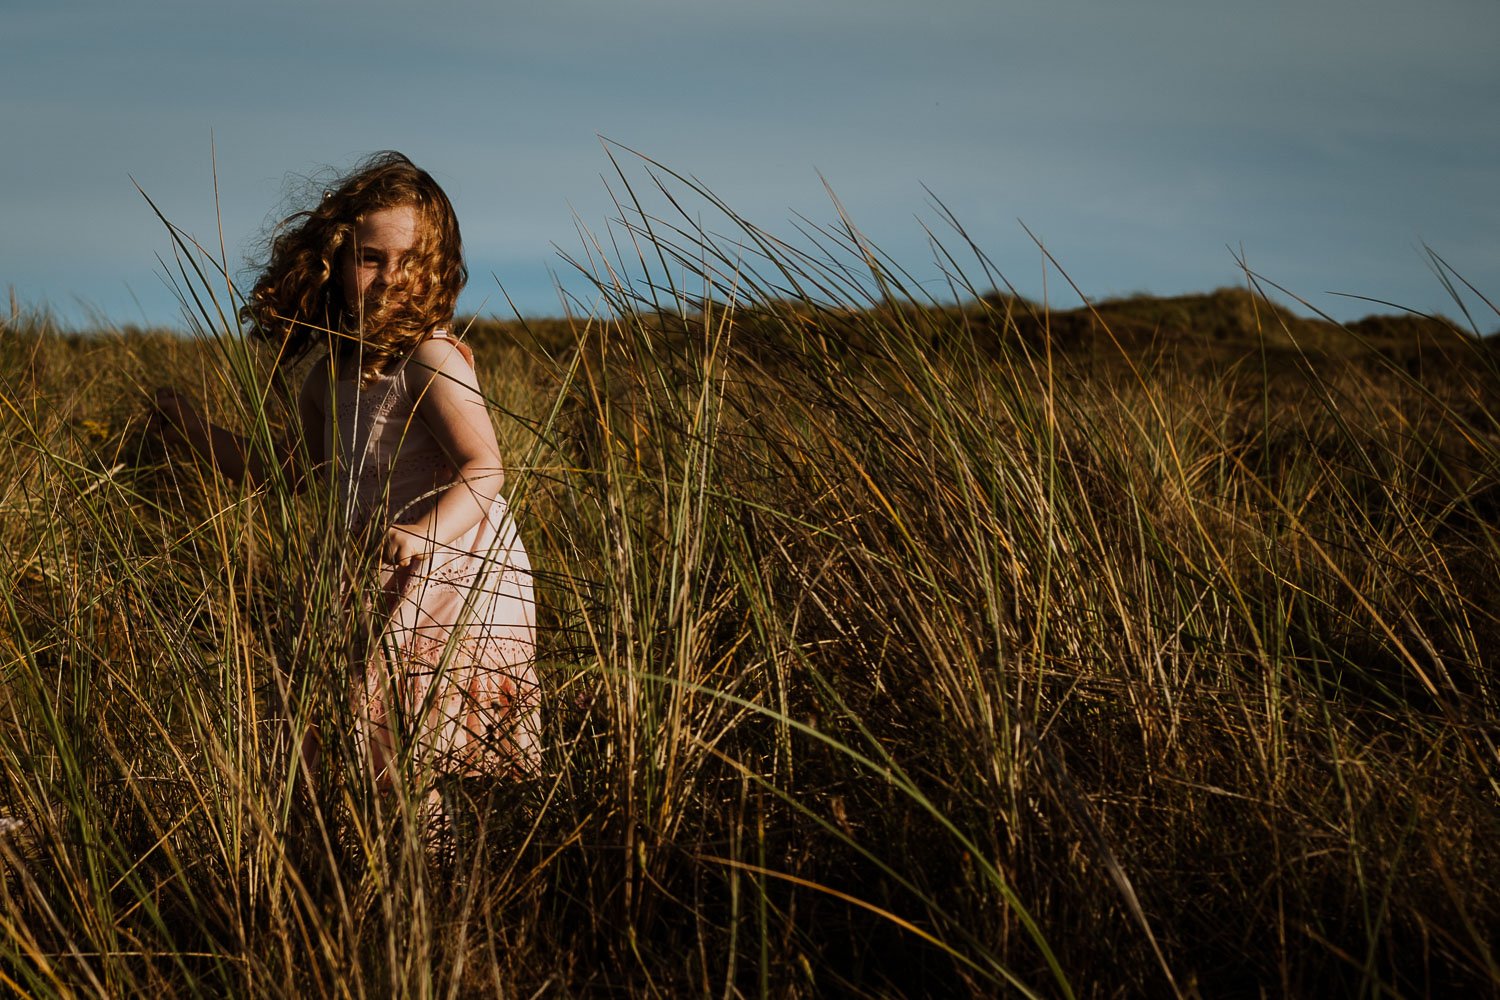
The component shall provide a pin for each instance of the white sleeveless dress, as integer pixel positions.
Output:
(451, 681)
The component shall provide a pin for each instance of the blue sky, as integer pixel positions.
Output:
(1328, 138)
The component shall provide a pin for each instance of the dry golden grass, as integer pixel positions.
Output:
(888, 651)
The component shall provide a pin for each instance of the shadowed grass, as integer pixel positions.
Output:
(890, 648)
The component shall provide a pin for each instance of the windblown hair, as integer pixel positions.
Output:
(298, 302)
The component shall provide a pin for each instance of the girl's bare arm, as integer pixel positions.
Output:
(449, 403)
(234, 455)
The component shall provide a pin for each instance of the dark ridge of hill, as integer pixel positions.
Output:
(1221, 326)
(1226, 323)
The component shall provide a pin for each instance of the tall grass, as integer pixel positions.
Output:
(889, 649)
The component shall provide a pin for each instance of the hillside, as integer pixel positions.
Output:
(970, 651)
(1229, 324)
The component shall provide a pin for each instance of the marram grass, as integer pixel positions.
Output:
(890, 648)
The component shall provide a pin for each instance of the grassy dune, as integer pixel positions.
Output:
(890, 648)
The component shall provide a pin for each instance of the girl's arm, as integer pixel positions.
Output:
(450, 404)
(183, 423)
(234, 455)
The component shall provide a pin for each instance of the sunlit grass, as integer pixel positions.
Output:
(890, 647)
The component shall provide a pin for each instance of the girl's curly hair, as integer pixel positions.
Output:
(298, 303)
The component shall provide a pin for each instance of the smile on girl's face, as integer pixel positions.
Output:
(376, 257)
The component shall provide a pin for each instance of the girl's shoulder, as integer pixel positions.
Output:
(439, 348)
(442, 363)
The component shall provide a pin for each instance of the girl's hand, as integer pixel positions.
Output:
(402, 545)
(176, 415)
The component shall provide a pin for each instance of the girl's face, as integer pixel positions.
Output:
(377, 256)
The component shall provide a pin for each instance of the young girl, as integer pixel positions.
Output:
(394, 414)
